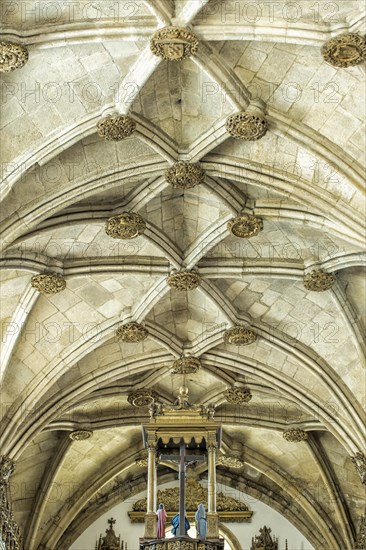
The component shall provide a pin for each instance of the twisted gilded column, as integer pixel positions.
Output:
(150, 517)
(212, 516)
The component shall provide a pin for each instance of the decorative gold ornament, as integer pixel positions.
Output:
(48, 283)
(149, 541)
(246, 126)
(239, 336)
(185, 175)
(174, 43)
(132, 332)
(156, 409)
(116, 127)
(345, 50)
(127, 225)
(195, 494)
(208, 410)
(142, 462)
(182, 401)
(238, 396)
(184, 280)
(186, 365)
(245, 226)
(295, 435)
(318, 280)
(181, 545)
(359, 460)
(142, 397)
(80, 435)
(229, 462)
(12, 56)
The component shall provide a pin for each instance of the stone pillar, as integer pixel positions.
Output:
(150, 517)
(212, 516)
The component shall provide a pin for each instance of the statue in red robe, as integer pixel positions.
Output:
(160, 528)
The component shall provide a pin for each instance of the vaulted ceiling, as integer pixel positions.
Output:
(63, 368)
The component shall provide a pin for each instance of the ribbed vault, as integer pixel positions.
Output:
(62, 367)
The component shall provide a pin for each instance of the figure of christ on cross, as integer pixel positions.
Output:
(183, 461)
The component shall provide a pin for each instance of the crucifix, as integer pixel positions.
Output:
(111, 523)
(184, 460)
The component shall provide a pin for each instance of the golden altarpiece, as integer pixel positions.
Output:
(183, 433)
(229, 509)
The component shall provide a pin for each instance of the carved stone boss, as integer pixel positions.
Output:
(80, 435)
(238, 396)
(186, 365)
(174, 43)
(116, 127)
(345, 50)
(318, 280)
(184, 280)
(48, 283)
(12, 56)
(239, 336)
(132, 332)
(247, 126)
(127, 225)
(185, 175)
(295, 435)
(245, 226)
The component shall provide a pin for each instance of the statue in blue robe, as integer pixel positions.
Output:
(201, 521)
(175, 523)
